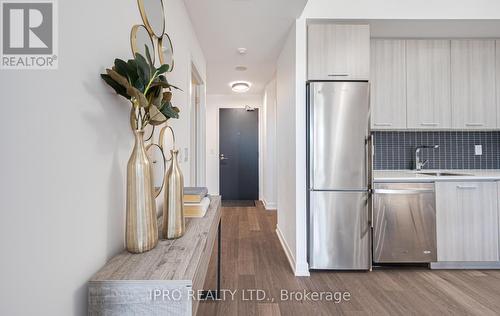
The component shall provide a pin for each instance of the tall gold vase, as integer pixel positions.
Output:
(141, 226)
(173, 205)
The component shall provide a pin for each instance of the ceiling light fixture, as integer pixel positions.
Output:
(242, 51)
(240, 86)
(240, 68)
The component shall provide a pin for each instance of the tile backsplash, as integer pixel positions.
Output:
(396, 150)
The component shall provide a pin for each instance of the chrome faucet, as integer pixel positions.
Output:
(418, 163)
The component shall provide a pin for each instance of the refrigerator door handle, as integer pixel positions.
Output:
(312, 91)
(369, 161)
(369, 178)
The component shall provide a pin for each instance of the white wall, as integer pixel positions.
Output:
(214, 103)
(65, 142)
(187, 51)
(302, 267)
(269, 189)
(285, 131)
(292, 216)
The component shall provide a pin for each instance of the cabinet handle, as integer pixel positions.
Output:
(466, 187)
(402, 191)
(382, 124)
(474, 124)
(429, 124)
(338, 75)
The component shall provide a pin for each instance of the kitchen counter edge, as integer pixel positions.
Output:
(384, 176)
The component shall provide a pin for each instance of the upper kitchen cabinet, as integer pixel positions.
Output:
(428, 84)
(473, 84)
(388, 84)
(338, 52)
(498, 83)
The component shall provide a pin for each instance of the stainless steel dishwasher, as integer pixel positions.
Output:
(404, 223)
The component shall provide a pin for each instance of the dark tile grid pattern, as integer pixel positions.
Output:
(396, 150)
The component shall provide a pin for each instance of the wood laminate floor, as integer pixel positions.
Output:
(252, 258)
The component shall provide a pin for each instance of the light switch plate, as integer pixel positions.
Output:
(478, 150)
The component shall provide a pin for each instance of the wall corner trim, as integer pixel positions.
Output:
(302, 269)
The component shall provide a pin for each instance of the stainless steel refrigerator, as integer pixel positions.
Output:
(339, 175)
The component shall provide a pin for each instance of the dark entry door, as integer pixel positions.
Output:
(239, 154)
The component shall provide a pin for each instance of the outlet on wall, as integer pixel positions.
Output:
(478, 150)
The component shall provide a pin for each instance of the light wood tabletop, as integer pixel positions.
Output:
(133, 283)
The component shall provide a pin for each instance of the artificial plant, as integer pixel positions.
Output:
(139, 81)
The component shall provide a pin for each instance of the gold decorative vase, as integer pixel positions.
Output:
(173, 204)
(141, 226)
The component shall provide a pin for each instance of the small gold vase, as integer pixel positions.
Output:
(173, 204)
(141, 227)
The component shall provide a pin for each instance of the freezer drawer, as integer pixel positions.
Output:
(339, 231)
(404, 217)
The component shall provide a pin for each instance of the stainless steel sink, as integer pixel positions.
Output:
(444, 174)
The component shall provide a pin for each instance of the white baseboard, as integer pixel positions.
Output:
(270, 206)
(288, 252)
(301, 269)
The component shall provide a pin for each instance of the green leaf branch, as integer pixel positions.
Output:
(140, 82)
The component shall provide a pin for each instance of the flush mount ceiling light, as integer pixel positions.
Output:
(240, 86)
(240, 68)
(242, 51)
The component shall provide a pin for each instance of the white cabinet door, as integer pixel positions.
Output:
(498, 83)
(428, 84)
(467, 221)
(473, 84)
(388, 84)
(498, 201)
(338, 52)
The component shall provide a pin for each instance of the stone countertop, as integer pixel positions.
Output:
(418, 176)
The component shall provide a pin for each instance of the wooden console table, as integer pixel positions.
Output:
(167, 280)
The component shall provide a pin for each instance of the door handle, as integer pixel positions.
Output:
(466, 187)
(474, 124)
(222, 157)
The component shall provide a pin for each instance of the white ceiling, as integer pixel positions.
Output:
(261, 26)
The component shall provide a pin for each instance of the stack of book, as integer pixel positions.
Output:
(196, 202)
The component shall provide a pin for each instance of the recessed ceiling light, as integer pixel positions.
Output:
(240, 86)
(242, 51)
(240, 68)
